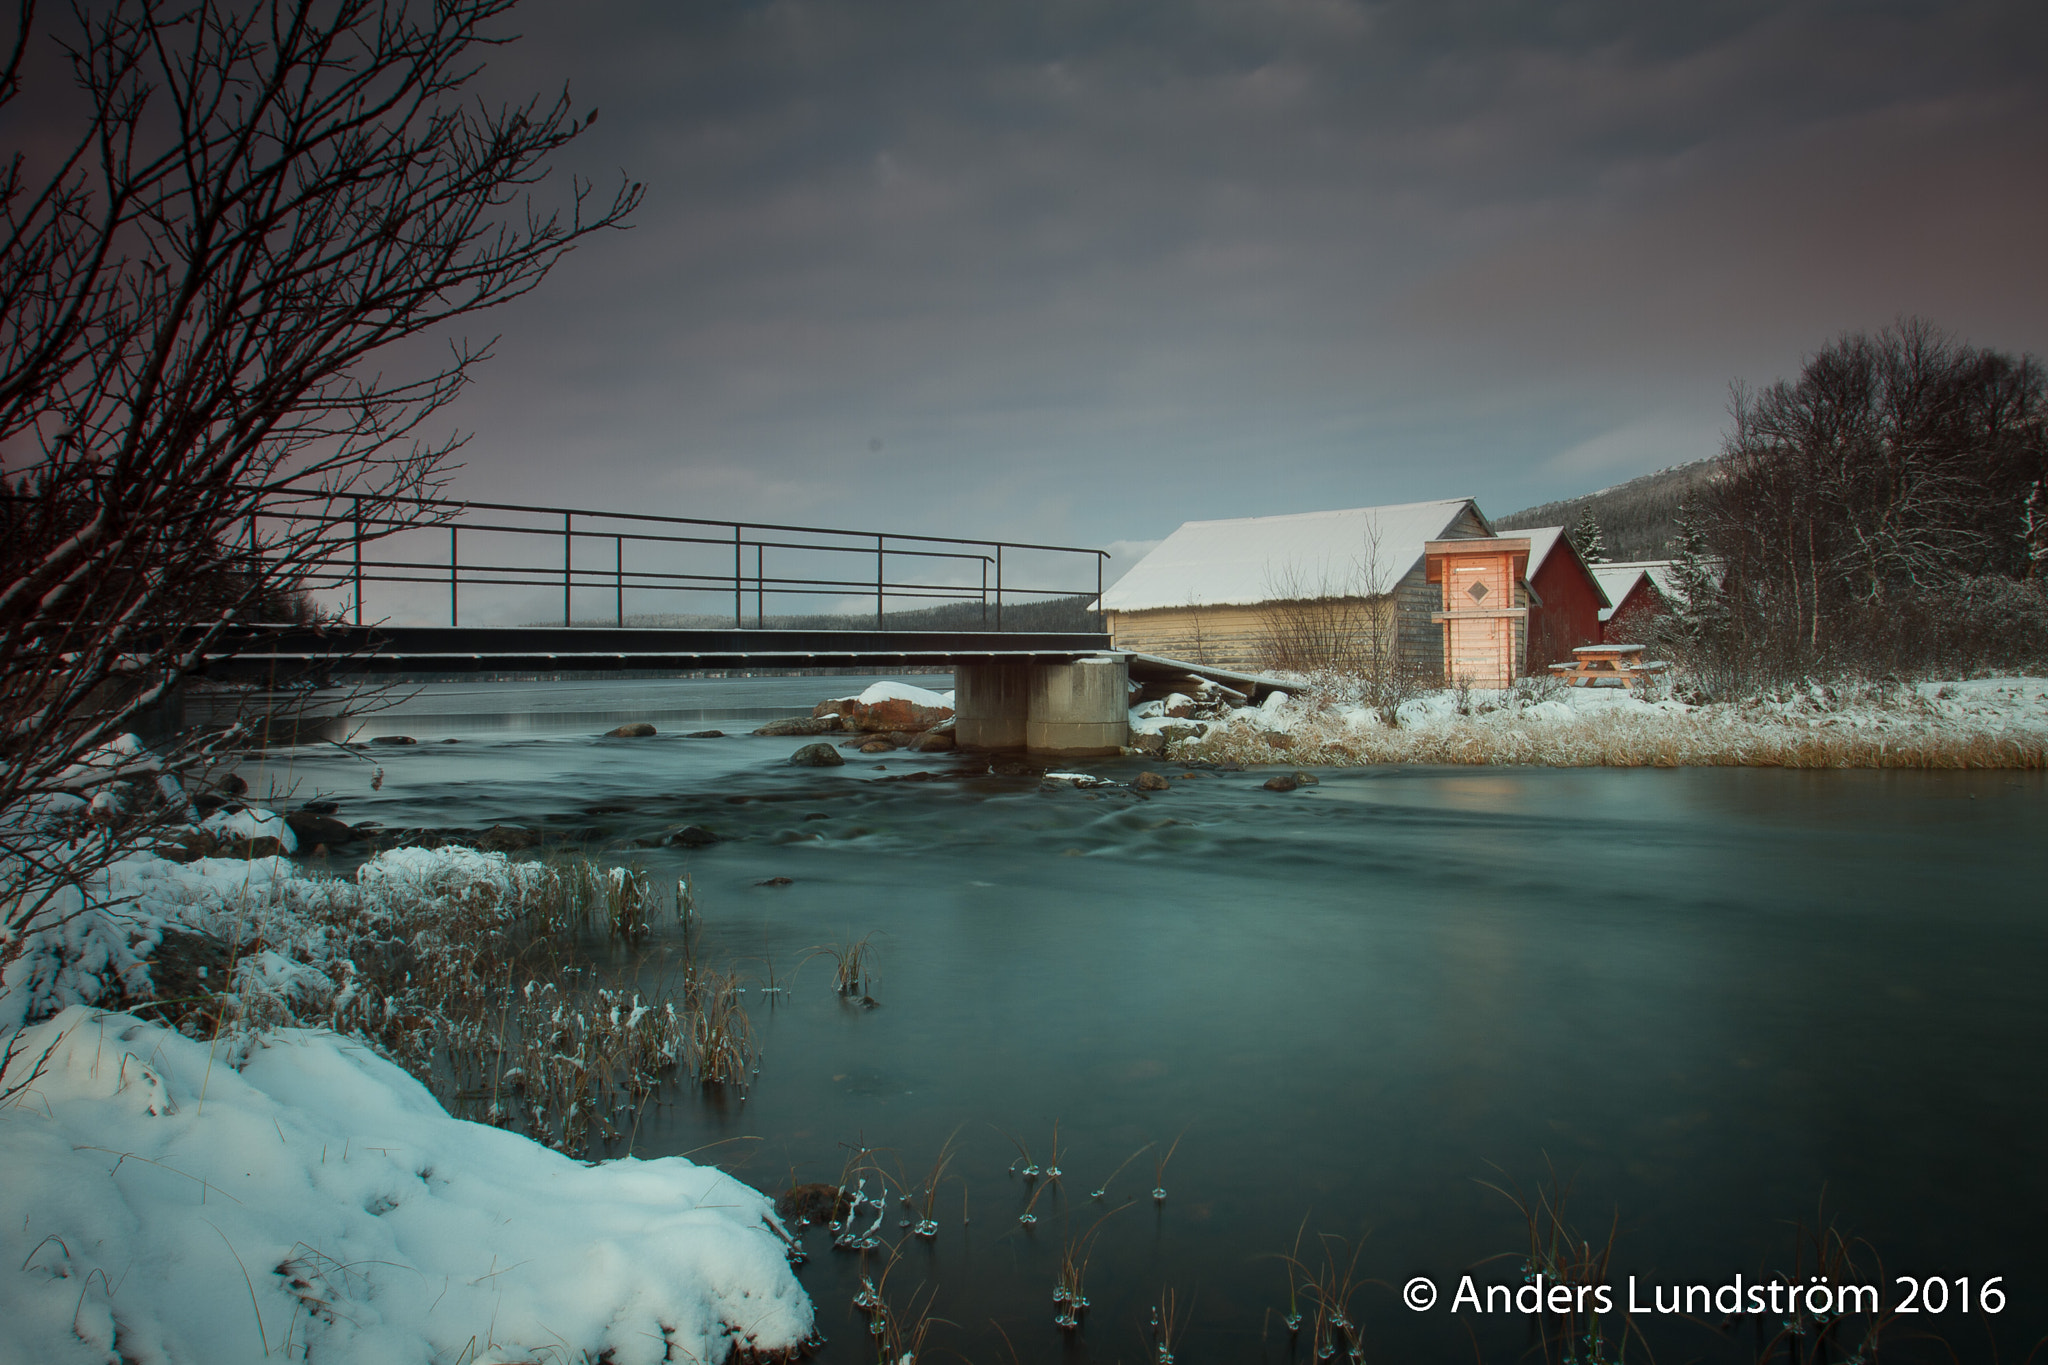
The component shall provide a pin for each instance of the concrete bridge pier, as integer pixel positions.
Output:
(1079, 710)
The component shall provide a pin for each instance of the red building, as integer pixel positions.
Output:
(1638, 589)
(1566, 603)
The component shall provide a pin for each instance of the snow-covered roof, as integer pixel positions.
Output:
(1302, 554)
(1619, 580)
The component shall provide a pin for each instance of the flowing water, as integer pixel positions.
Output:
(1713, 1002)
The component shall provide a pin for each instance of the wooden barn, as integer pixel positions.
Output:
(1216, 591)
(1566, 601)
(1635, 589)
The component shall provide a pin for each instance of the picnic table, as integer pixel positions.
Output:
(1592, 665)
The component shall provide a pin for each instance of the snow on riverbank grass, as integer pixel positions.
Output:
(1982, 723)
(280, 1191)
(292, 1195)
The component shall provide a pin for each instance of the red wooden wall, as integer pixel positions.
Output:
(1570, 614)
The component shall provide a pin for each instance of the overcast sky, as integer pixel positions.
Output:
(1082, 271)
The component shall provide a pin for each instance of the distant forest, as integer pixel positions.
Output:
(1054, 614)
(1636, 518)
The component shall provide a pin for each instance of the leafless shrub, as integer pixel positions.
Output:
(1341, 627)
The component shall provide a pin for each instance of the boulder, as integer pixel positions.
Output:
(1285, 782)
(705, 734)
(394, 739)
(816, 756)
(1173, 734)
(311, 827)
(893, 706)
(638, 729)
(878, 745)
(692, 836)
(1148, 744)
(1308, 779)
(1152, 782)
(934, 742)
(802, 725)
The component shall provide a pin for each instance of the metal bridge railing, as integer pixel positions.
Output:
(595, 548)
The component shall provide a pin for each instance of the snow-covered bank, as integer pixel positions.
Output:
(261, 1190)
(1980, 723)
(292, 1195)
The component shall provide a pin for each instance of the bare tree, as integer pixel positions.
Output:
(194, 295)
(1897, 466)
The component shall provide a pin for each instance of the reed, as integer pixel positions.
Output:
(927, 1225)
(852, 965)
(1069, 1290)
(898, 1337)
(1166, 1326)
(1328, 1289)
(1103, 1189)
(1159, 1169)
(1558, 1254)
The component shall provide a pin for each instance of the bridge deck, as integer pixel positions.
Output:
(268, 650)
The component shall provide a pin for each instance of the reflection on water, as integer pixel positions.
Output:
(1711, 998)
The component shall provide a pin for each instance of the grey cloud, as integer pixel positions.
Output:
(1089, 269)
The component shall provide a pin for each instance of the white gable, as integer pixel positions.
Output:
(1259, 559)
(1618, 580)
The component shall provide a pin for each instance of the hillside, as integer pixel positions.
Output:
(1636, 518)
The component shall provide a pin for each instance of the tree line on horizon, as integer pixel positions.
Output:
(1884, 514)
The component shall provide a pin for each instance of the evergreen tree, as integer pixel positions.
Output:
(1588, 541)
(1697, 611)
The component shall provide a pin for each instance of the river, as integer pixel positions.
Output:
(1714, 1002)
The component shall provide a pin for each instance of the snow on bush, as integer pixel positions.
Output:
(297, 1197)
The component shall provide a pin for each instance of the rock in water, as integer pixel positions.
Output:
(1308, 779)
(934, 742)
(892, 706)
(802, 725)
(1152, 782)
(691, 836)
(816, 756)
(638, 729)
(705, 734)
(394, 739)
(1283, 783)
(313, 828)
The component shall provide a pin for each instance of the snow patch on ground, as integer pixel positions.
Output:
(295, 1196)
(286, 1193)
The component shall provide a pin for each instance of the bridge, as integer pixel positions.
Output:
(1059, 691)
